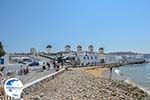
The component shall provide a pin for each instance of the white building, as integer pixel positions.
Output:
(124, 58)
(147, 57)
(91, 48)
(67, 48)
(33, 51)
(49, 49)
(88, 58)
(79, 49)
(134, 58)
(102, 55)
(4, 61)
(113, 59)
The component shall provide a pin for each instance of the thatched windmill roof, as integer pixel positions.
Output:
(49, 46)
(67, 46)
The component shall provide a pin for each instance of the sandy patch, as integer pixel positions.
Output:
(97, 72)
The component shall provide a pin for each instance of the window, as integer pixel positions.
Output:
(2, 61)
(102, 61)
(87, 57)
(95, 57)
(91, 57)
(84, 58)
(73, 58)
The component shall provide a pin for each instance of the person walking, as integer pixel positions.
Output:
(1, 79)
(48, 66)
(24, 71)
(110, 72)
(57, 67)
(21, 70)
(44, 66)
(54, 65)
(27, 69)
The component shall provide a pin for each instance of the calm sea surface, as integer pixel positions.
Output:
(139, 74)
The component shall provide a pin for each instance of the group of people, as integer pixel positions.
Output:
(24, 71)
(1, 79)
(46, 65)
(55, 64)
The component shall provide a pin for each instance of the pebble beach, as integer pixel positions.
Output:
(85, 85)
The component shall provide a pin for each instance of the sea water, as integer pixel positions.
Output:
(138, 74)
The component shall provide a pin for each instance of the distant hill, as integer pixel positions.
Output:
(123, 53)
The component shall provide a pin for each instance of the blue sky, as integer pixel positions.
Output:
(116, 25)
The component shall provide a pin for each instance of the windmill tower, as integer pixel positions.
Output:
(79, 48)
(49, 49)
(90, 48)
(67, 48)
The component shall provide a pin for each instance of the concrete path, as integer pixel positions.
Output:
(34, 76)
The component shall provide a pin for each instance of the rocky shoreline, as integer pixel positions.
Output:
(79, 85)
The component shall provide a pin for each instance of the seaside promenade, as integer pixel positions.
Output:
(85, 84)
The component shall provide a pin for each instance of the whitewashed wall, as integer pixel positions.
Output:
(89, 58)
(113, 59)
(6, 60)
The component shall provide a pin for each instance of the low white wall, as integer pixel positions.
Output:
(34, 84)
